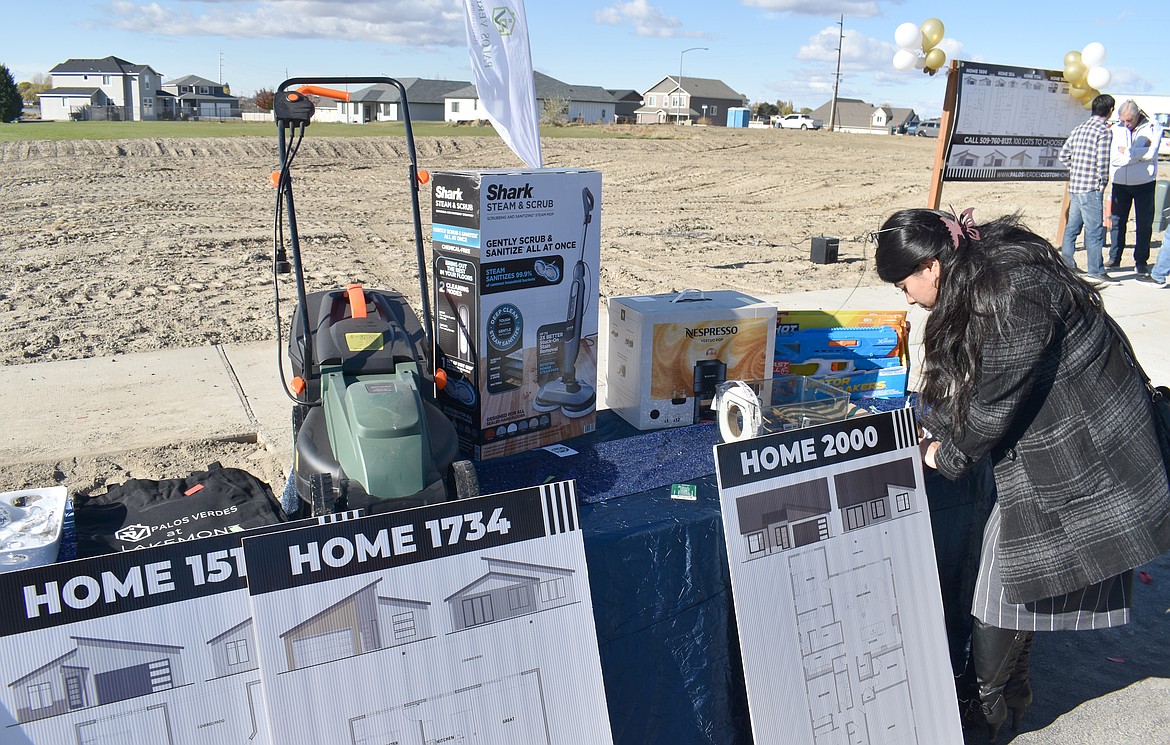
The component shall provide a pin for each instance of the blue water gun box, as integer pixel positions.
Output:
(861, 352)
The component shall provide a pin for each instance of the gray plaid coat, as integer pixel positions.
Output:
(1078, 470)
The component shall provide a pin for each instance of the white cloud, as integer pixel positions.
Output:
(851, 8)
(419, 23)
(644, 19)
(857, 50)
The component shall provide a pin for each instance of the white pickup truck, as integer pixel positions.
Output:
(797, 121)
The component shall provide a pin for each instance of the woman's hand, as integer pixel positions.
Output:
(928, 447)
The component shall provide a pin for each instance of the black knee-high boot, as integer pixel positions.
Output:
(995, 653)
(1017, 694)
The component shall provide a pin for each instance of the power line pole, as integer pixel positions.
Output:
(837, 76)
(221, 68)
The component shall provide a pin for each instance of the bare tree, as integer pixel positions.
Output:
(554, 110)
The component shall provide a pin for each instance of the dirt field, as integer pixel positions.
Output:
(129, 246)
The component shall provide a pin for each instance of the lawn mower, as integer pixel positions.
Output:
(367, 434)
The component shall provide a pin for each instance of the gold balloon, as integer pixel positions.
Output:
(1081, 92)
(1071, 57)
(1075, 73)
(932, 33)
(936, 58)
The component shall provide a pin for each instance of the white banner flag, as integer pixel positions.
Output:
(497, 40)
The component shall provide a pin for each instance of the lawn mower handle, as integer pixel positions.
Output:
(314, 82)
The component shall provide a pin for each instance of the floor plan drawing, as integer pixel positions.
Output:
(509, 710)
(851, 648)
(150, 725)
(835, 586)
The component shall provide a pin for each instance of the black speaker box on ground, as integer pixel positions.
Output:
(824, 249)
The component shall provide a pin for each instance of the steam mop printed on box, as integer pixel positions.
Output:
(516, 256)
(864, 353)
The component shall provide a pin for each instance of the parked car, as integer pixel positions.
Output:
(1163, 121)
(928, 128)
(798, 121)
(912, 127)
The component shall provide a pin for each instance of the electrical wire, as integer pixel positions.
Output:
(283, 184)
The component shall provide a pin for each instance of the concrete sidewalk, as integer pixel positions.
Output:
(109, 405)
(115, 404)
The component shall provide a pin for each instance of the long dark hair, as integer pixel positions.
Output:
(974, 294)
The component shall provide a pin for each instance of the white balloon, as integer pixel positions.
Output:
(904, 59)
(919, 62)
(1098, 77)
(1093, 54)
(908, 36)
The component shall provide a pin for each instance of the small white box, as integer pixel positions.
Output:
(30, 527)
(667, 353)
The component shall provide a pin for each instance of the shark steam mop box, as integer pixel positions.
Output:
(516, 255)
(667, 353)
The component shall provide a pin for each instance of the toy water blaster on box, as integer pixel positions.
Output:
(864, 361)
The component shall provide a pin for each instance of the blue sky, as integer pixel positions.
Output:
(766, 49)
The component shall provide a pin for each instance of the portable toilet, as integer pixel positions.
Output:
(737, 116)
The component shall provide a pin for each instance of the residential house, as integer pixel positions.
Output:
(693, 99)
(628, 101)
(587, 104)
(200, 98)
(381, 102)
(858, 117)
(104, 89)
(96, 672)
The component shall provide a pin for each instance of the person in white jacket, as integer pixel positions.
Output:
(1134, 165)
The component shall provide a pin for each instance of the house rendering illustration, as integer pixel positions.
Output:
(872, 495)
(358, 623)
(691, 99)
(95, 672)
(234, 651)
(781, 519)
(106, 89)
(509, 589)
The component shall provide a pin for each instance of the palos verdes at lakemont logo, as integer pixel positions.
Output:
(504, 20)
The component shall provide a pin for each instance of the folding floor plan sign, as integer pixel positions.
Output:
(835, 585)
(148, 647)
(463, 622)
